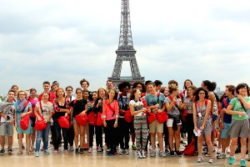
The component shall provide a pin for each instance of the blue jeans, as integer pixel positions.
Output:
(42, 135)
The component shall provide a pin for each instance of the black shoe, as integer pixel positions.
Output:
(2, 152)
(172, 153)
(77, 151)
(237, 150)
(81, 150)
(110, 153)
(167, 151)
(178, 153)
(9, 151)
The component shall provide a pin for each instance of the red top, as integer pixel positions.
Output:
(110, 110)
(52, 97)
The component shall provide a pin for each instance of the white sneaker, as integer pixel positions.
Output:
(210, 160)
(126, 152)
(248, 157)
(200, 159)
(90, 150)
(71, 148)
(120, 152)
(46, 152)
(36, 154)
(138, 154)
(152, 153)
(143, 154)
(162, 154)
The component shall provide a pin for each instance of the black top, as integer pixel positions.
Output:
(78, 106)
(98, 108)
(57, 107)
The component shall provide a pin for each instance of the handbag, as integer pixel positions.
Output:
(161, 117)
(82, 119)
(128, 116)
(92, 118)
(63, 122)
(24, 122)
(151, 117)
(99, 120)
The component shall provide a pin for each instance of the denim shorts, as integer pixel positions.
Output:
(225, 132)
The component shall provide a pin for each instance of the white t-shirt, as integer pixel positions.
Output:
(47, 109)
(138, 105)
(8, 110)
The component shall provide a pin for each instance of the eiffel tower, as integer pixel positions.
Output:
(125, 51)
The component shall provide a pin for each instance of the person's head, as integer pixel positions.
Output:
(33, 92)
(190, 90)
(151, 87)
(158, 84)
(201, 94)
(45, 96)
(55, 86)
(79, 94)
(102, 93)
(112, 94)
(139, 85)
(187, 83)
(60, 93)
(124, 88)
(135, 94)
(208, 85)
(166, 91)
(69, 90)
(230, 90)
(147, 82)
(94, 95)
(11, 95)
(85, 94)
(173, 83)
(84, 84)
(162, 89)
(46, 86)
(15, 88)
(173, 90)
(109, 84)
(242, 89)
(21, 94)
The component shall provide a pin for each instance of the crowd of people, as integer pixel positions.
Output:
(150, 118)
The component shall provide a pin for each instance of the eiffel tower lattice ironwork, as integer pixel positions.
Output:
(125, 51)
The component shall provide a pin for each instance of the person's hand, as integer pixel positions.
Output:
(83, 113)
(116, 124)
(12, 122)
(222, 125)
(122, 111)
(196, 129)
(104, 123)
(157, 106)
(4, 116)
(159, 111)
(23, 114)
(240, 97)
(202, 127)
(39, 118)
(144, 110)
(242, 113)
(184, 105)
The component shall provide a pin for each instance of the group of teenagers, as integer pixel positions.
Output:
(154, 117)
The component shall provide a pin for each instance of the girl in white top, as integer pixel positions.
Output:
(138, 110)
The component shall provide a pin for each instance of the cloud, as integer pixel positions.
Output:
(70, 40)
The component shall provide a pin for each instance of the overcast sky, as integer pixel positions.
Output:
(74, 39)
